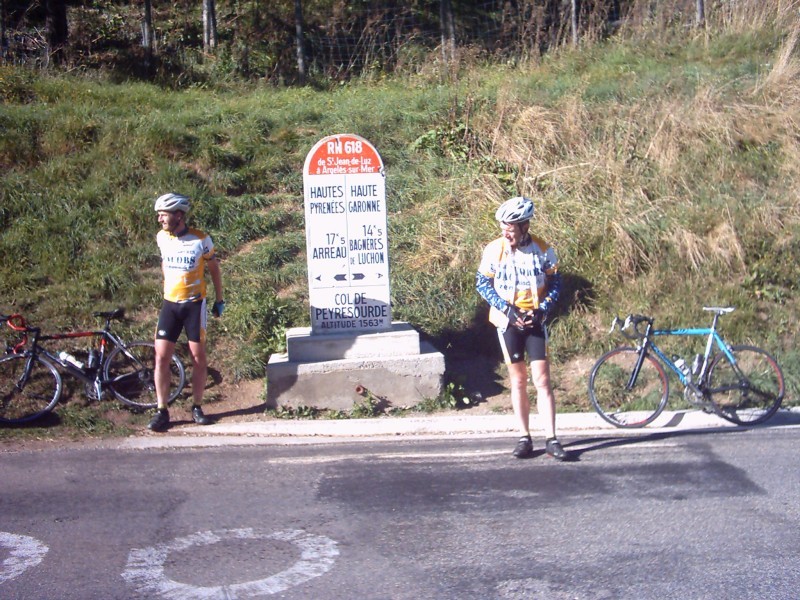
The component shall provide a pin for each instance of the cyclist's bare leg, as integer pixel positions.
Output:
(545, 399)
(518, 376)
(199, 370)
(164, 352)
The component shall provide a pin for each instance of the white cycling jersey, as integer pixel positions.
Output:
(520, 277)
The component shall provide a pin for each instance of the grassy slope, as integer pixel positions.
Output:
(666, 176)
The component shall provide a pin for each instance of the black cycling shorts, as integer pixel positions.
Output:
(177, 316)
(515, 343)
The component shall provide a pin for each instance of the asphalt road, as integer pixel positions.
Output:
(698, 514)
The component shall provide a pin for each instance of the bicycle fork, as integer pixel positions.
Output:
(26, 374)
(640, 359)
(636, 368)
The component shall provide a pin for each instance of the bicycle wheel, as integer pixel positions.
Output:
(26, 398)
(129, 373)
(748, 393)
(617, 402)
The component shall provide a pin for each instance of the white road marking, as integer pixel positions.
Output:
(145, 567)
(24, 552)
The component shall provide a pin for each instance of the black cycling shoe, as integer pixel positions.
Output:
(524, 447)
(554, 449)
(199, 417)
(159, 421)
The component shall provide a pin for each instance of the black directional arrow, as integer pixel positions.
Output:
(340, 277)
(357, 276)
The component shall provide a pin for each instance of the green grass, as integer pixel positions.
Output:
(664, 173)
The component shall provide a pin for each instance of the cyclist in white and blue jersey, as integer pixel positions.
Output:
(518, 277)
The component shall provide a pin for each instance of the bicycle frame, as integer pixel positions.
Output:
(90, 376)
(712, 335)
(85, 374)
(713, 338)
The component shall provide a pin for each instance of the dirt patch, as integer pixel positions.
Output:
(242, 401)
(484, 380)
(79, 421)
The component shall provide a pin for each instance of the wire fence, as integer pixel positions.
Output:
(389, 35)
(345, 39)
(387, 38)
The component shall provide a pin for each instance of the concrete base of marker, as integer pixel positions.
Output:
(334, 371)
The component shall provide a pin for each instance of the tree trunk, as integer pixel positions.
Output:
(700, 19)
(3, 40)
(300, 41)
(615, 15)
(448, 26)
(57, 29)
(209, 26)
(148, 42)
(551, 32)
(147, 27)
(574, 21)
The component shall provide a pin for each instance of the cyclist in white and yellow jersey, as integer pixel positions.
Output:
(518, 277)
(186, 253)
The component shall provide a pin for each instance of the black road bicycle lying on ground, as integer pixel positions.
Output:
(30, 382)
(628, 386)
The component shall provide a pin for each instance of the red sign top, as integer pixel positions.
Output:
(344, 154)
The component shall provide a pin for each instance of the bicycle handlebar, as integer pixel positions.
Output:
(631, 321)
(17, 323)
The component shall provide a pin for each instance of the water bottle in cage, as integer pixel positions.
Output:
(91, 362)
(66, 357)
(697, 364)
(682, 367)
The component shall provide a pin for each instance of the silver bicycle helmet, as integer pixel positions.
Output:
(515, 210)
(172, 202)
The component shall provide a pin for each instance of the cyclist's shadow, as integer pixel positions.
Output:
(580, 447)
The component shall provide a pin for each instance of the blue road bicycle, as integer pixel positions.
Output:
(629, 387)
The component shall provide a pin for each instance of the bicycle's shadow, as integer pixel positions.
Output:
(577, 448)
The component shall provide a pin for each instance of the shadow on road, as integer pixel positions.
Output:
(577, 448)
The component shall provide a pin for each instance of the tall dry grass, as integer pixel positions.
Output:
(651, 198)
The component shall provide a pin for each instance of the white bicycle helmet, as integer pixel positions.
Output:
(515, 210)
(172, 202)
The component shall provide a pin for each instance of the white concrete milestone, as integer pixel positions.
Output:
(353, 350)
(335, 371)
